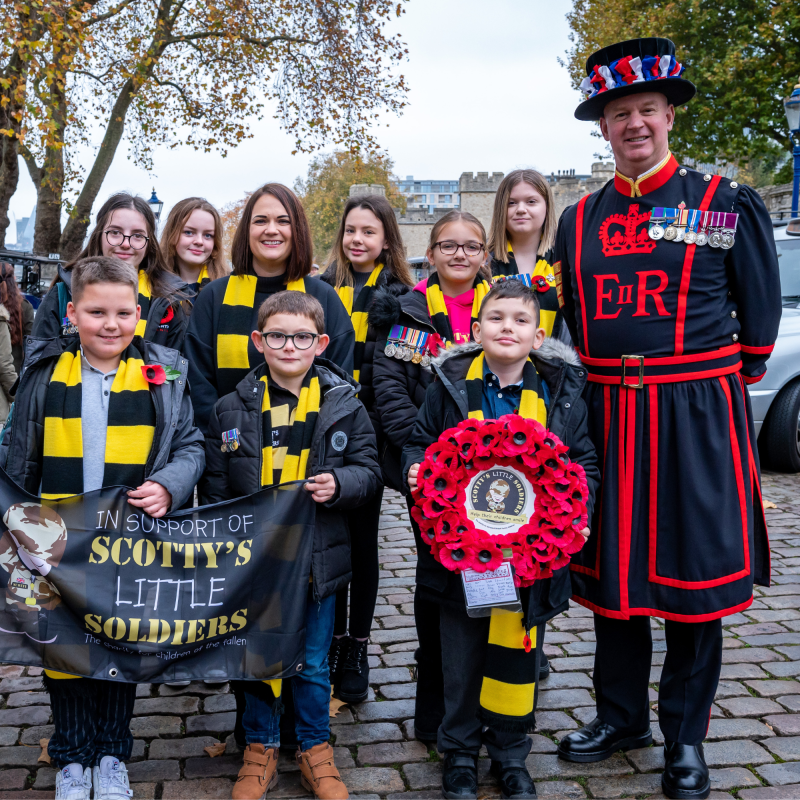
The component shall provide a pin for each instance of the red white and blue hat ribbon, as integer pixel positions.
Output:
(628, 70)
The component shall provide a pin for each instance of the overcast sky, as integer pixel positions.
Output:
(486, 93)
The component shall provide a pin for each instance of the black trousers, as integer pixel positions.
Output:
(688, 680)
(363, 523)
(464, 644)
(92, 719)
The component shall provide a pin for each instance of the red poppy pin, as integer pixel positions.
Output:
(168, 317)
(156, 374)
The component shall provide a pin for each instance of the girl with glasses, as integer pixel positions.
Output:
(125, 229)
(443, 307)
(192, 244)
(368, 256)
(521, 241)
(271, 252)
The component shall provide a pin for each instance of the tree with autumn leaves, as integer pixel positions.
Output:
(743, 56)
(179, 72)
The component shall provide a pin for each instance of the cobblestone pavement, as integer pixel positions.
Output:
(753, 745)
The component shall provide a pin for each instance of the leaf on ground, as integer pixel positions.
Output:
(335, 706)
(769, 504)
(215, 750)
(44, 757)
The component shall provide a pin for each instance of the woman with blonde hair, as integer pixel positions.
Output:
(192, 243)
(367, 256)
(521, 239)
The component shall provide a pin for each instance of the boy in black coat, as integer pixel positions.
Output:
(290, 418)
(508, 329)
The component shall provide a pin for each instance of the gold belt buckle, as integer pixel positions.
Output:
(640, 383)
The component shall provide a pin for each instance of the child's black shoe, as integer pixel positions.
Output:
(336, 654)
(460, 776)
(355, 673)
(514, 779)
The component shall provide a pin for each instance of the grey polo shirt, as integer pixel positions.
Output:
(95, 394)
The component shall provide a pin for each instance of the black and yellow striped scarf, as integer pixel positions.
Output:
(236, 320)
(145, 295)
(282, 464)
(549, 308)
(129, 436)
(437, 308)
(510, 674)
(358, 314)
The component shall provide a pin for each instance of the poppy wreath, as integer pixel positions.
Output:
(544, 543)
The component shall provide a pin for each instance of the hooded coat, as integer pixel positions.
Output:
(176, 457)
(353, 464)
(399, 386)
(445, 406)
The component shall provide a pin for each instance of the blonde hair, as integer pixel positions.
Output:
(470, 219)
(498, 234)
(393, 255)
(173, 228)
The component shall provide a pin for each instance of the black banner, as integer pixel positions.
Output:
(92, 586)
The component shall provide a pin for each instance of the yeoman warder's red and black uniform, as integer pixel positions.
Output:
(670, 334)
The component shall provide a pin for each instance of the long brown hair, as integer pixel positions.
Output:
(299, 264)
(393, 255)
(176, 221)
(153, 262)
(454, 216)
(11, 298)
(498, 235)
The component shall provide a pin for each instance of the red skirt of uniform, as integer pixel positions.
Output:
(678, 530)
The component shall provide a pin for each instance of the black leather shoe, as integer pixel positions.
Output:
(460, 776)
(598, 741)
(515, 781)
(336, 655)
(685, 773)
(354, 685)
(544, 668)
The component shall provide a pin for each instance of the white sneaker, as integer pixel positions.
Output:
(110, 780)
(72, 783)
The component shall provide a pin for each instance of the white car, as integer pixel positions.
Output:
(776, 398)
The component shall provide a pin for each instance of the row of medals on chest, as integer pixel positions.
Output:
(692, 226)
(407, 344)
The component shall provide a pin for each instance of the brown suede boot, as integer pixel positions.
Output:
(318, 773)
(258, 774)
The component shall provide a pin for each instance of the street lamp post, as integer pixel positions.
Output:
(156, 205)
(792, 107)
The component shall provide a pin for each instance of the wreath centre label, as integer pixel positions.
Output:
(502, 498)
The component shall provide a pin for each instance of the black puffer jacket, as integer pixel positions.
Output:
(47, 323)
(366, 394)
(176, 457)
(446, 405)
(399, 386)
(354, 462)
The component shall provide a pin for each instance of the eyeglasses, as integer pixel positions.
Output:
(136, 240)
(451, 248)
(300, 341)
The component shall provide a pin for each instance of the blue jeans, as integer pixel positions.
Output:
(311, 688)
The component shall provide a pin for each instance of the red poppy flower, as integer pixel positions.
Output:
(457, 556)
(490, 439)
(443, 454)
(543, 551)
(518, 435)
(467, 441)
(432, 507)
(439, 481)
(168, 317)
(488, 557)
(541, 284)
(435, 344)
(154, 373)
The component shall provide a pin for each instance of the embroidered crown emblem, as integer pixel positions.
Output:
(626, 238)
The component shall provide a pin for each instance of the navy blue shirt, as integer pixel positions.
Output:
(497, 401)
